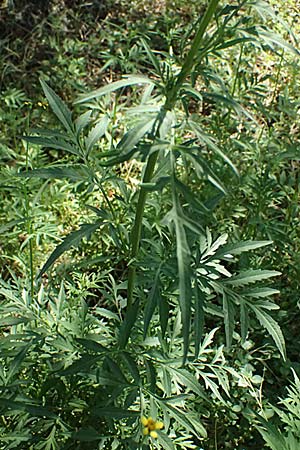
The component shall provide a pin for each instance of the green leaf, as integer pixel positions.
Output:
(152, 301)
(34, 410)
(272, 327)
(115, 370)
(208, 141)
(228, 101)
(183, 419)
(114, 412)
(251, 276)
(132, 366)
(11, 224)
(127, 81)
(260, 292)
(83, 365)
(239, 247)
(199, 317)
(74, 172)
(163, 307)
(86, 435)
(210, 384)
(82, 121)
(244, 318)
(166, 124)
(133, 136)
(151, 374)
(151, 55)
(184, 275)
(127, 324)
(15, 364)
(73, 239)
(266, 11)
(92, 345)
(96, 133)
(233, 42)
(53, 142)
(201, 167)
(270, 38)
(9, 321)
(165, 442)
(229, 312)
(188, 380)
(59, 108)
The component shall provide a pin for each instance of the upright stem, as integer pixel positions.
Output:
(190, 58)
(138, 220)
(150, 165)
(29, 228)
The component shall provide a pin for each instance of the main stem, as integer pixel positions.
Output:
(171, 98)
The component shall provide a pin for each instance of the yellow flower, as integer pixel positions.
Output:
(150, 425)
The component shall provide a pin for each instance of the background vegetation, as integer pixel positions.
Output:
(168, 292)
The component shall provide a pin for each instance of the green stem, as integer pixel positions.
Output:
(171, 99)
(190, 58)
(138, 220)
(29, 221)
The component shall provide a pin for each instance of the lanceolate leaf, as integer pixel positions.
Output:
(229, 313)
(182, 418)
(239, 247)
(59, 108)
(151, 55)
(31, 408)
(115, 413)
(165, 442)
(128, 81)
(69, 241)
(188, 380)
(208, 141)
(133, 136)
(74, 172)
(250, 276)
(128, 323)
(271, 38)
(271, 326)
(132, 366)
(153, 299)
(260, 292)
(163, 306)
(96, 133)
(53, 142)
(184, 276)
(82, 121)
(244, 319)
(199, 317)
(86, 435)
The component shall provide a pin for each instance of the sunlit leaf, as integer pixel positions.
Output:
(59, 108)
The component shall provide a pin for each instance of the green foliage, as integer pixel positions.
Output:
(289, 418)
(176, 207)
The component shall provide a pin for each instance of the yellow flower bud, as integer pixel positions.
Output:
(144, 421)
(159, 425)
(150, 425)
(153, 434)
